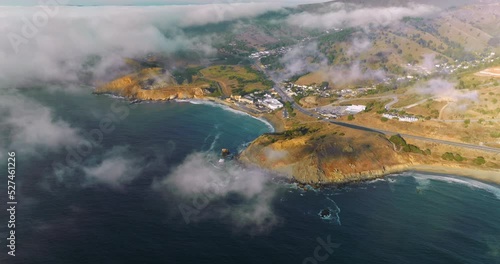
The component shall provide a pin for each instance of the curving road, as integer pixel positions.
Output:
(286, 98)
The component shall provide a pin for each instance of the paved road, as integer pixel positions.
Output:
(486, 120)
(285, 97)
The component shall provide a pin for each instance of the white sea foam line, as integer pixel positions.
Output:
(115, 96)
(468, 182)
(337, 210)
(212, 146)
(224, 107)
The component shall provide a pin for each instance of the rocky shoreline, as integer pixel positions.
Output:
(342, 178)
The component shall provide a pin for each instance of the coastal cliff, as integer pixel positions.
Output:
(152, 84)
(315, 154)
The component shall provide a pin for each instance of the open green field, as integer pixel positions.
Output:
(237, 79)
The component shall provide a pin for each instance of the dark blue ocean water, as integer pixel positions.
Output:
(67, 218)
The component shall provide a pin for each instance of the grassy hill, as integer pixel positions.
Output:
(237, 79)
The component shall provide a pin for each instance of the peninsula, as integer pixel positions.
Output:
(343, 110)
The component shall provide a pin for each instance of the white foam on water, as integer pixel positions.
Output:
(227, 108)
(424, 180)
(376, 180)
(216, 138)
(334, 213)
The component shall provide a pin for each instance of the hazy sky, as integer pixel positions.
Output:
(143, 2)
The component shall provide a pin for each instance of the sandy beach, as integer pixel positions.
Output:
(491, 176)
(482, 175)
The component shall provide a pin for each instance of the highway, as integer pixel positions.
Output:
(286, 98)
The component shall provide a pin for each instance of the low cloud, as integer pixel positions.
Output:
(308, 58)
(302, 59)
(61, 47)
(203, 190)
(445, 90)
(341, 15)
(30, 126)
(429, 62)
(275, 155)
(115, 170)
(358, 46)
(341, 75)
(58, 43)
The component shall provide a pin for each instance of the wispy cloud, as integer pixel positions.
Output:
(31, 126)
(443, 89)
(308, 58)
(55, 43)
(241, 196)
(115, 169)
(342, 15)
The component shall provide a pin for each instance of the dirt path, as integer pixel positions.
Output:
(225, 90)
(442, 111)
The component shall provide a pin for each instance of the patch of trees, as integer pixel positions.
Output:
(375, 105)
(338, 36)
(452, 157)
(272, 62)
(479, 161)
(296, 77)
(495, 134)
(186, 74)
(401, 143)
(289, 109)
(297, 132)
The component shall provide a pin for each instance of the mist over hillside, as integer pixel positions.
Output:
(74, 44)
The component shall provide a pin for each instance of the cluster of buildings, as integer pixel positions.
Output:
(293, 89)
(262, 54)
(336, 111)
(259, 100)
(410, 119)
(451, 67)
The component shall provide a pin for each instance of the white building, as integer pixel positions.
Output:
(272, 104)
(401, 118)
(354, 109)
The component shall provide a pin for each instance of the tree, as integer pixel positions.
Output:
(398, 140)
(458, 158)
(479, 161)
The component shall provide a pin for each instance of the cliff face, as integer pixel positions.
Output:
(151, 84)
(326, 156)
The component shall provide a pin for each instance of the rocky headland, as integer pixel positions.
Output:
(325, 154)
(152, 84)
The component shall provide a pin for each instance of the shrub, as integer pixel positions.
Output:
(350, 117)
(479, 161)
(448, 156)
(458, 158)
(384, 119)
(398, 140)
(413, 149)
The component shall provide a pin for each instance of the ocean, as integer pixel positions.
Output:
(153, 191)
